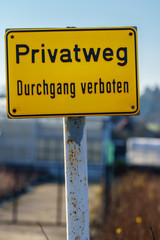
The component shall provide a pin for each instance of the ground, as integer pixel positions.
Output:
(44, 204)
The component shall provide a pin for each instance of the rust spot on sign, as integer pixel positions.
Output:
(69, 141)
(77, 238)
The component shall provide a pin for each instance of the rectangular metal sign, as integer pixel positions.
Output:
(72, 72)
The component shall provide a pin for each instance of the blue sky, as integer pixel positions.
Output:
(90, 13)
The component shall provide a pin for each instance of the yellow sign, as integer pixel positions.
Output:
(72, 72)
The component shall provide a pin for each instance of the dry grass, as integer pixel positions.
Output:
(12, 182)
(134, 211)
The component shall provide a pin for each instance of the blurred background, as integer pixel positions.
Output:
(123, 170)
(123, 152)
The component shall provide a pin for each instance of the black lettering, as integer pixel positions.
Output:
(89, 87)
(126, 87)
(122, 51)
(76, 49)
(65, 86)
(52, 56)
(33, 85)
(26, 89)
(38, 91)
(59, 88)
(52, 90)
(101, 86)
(83, 87)
(113, 85)
(72, 90)
(108, 54)
(108, 87)
(18, 53)
(19, 87)
(95, 84)
(66, 57)
(34, 51)
(119, 87)
(43, 54)
(45, 88)
(91, 53)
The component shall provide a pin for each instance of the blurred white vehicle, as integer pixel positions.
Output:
(143, 151)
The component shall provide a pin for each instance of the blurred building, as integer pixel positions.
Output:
(39, 142)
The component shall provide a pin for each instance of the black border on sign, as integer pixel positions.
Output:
(72, 114)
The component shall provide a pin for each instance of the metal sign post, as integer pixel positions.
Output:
(76, 178)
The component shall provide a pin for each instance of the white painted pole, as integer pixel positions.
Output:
(76, 178)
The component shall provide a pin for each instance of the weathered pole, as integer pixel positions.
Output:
(76, 178)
